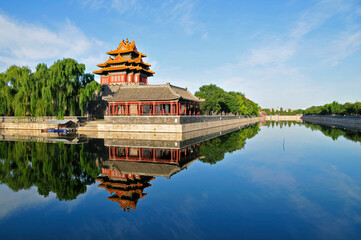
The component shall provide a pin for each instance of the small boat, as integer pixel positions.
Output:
(57, 130)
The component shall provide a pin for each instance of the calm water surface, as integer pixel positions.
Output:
(289, 181)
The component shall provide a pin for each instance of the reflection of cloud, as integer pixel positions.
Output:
(274, 178)
(305, 194)
(11, 201)
(69, 206)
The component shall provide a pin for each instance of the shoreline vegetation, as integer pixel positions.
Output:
(334, 108)
(60, 90)
(219, 101)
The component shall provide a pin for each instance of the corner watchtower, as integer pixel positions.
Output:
(124, 66)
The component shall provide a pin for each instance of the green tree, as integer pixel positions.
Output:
(63, 89)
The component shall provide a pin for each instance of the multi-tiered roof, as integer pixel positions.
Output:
(124, 66)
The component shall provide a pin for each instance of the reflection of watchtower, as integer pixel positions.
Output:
(132, 164)
(154, 155)
(127, 188)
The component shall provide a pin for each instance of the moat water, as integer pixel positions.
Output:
(276, 181)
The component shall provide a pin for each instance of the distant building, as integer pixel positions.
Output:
(126, 75)
(262, 113)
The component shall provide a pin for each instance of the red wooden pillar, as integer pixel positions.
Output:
(153, 109)
(109, 109)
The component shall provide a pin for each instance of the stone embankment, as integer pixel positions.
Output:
(33, 123)
(164, 124)
(349, 122)
(140, 124)
(295, 118)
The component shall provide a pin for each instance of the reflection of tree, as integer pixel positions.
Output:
(213, 150)
(335, 133)
(331, 132)
(59, 168)
(281, 124)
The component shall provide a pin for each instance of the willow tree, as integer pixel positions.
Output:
(5, 96)
(63, 89)
(65, 80)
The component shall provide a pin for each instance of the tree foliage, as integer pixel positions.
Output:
(335, 108)
(63, 89)
(218, 101)
(282, 111)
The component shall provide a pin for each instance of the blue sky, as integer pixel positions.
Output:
(292, 54)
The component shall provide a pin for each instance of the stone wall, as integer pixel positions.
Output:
(166, 124)
(44, 119)
(26, 125)
(297, 118)
(334, 121)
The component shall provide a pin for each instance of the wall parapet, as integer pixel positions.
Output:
(168, 119)
(351, 122)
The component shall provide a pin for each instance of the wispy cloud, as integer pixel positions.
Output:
(343, 46)
(121, 6)
(170, 12)
(182, 13)
(28, 44)
(273, 66)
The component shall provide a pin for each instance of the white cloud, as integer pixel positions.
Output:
(28, 44)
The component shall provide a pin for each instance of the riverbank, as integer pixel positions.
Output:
(349, 122)
(140, 127)
(164, 124)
